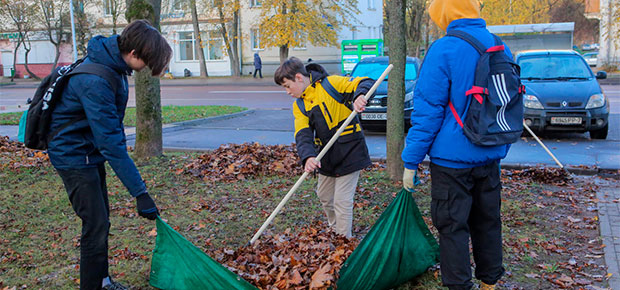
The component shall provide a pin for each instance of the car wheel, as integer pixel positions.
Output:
(600, 133)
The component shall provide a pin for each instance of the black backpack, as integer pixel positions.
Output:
(39, 115)
(495, 113)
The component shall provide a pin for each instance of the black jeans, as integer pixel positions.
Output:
(89, 197)
(260, 72)
(466, 203)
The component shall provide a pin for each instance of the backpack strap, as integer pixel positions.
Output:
(469, 39)
(88, 68)
(302, 106)
(100, 70)
(332, 91)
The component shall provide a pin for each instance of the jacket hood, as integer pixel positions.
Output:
(105, 50)
(442, 12)
(316, 71)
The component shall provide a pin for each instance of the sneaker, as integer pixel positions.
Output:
(115, 286)
(485, 286)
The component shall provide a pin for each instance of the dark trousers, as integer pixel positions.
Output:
(466, 203)
(89, 198)
(260, 72)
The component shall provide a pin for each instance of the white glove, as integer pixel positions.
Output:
(408, 178)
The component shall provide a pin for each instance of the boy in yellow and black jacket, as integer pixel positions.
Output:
(323, 104)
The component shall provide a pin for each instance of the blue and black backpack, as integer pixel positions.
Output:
(495, 113)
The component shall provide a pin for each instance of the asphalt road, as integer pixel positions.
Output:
(271, 122)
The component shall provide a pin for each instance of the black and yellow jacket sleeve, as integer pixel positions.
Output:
(318, 116)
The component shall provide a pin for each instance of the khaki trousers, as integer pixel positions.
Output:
(336, 195)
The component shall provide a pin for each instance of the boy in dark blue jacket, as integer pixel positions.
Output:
(79, 150)
(466, 183)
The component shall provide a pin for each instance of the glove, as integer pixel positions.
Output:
(146, 206)
(410, 177)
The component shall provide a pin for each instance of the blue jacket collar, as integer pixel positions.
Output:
(467, 23)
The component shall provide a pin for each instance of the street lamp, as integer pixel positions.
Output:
(73, 31)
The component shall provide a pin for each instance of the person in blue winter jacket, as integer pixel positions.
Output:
(258, 65)
(89, 121)
(465, 177)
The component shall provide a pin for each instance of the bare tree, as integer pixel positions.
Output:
(231, 40)
(54, 20)
(22, 15)
(113, 8)
(395, 23)
(198, 37)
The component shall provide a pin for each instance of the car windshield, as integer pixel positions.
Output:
(544, 67)
(374, 70)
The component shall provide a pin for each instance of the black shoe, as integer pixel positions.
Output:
(115, 286)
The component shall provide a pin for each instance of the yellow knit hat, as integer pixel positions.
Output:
(442, 12)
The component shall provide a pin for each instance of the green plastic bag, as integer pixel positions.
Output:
(22, 127)
(398, 248)
(178, 264)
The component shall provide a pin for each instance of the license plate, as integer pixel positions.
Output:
(566, 120)
(374, 116)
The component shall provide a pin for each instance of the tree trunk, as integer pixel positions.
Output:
(28, 48)
(231, 46)
(201, 52)
(283, 53)
(147, 87)
(395, 22)
(15, 59)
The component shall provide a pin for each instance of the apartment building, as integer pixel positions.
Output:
(176, 26)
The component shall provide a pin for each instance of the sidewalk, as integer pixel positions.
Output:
(609, 221)
(179, 82)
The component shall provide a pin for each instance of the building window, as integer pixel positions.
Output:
(186, 45)
(212, 45)
(255, 37)
(178, 5)
(255, 3)
(371, 5)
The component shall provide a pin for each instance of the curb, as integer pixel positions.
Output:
(241, 83)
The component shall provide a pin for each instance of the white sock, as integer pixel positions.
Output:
(106, 281)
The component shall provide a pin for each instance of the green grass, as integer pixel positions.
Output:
(170, 114)
(10, 118)
(40, 232)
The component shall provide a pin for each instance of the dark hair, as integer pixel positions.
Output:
(289, 69)
(149, 45)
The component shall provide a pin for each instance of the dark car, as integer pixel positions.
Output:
(562, 93)
(375, 115)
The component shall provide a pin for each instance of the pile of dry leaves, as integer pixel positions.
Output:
(547, 175)
(307, 259)
(233, 162)
(15, 155)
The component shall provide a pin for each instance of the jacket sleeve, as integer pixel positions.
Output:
(430, 99)
(351, 88)
(99, 102)
(304, 135)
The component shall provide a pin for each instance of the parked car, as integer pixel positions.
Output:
(591, 58)
(562, 93)
(375, 115)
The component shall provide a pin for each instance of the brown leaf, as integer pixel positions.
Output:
(321, 276)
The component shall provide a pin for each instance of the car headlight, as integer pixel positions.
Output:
(374, 102)
(531, 102)
(596, 101)
(409, 100)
